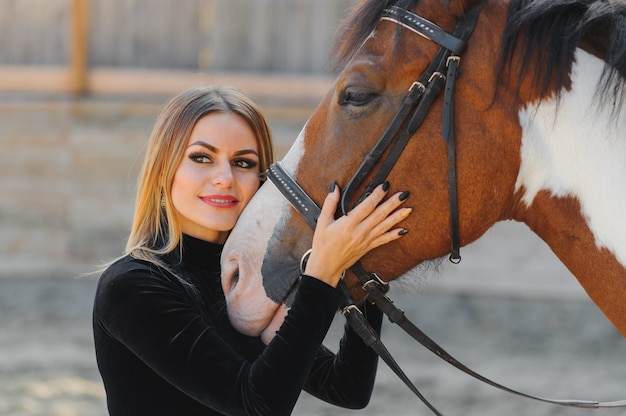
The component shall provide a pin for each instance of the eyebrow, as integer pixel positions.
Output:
(216, 150)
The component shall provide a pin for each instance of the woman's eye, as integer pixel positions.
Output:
(200, 158)
(245, 163)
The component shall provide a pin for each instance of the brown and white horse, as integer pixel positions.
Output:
(540, 138)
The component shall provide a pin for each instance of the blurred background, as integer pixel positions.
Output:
(81, 82)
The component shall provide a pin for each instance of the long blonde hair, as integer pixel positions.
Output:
(155, 230)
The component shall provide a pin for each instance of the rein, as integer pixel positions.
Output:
(409, 117)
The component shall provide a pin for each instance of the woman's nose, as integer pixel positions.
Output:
(224, 175)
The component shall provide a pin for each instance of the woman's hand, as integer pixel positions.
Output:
(338, 244)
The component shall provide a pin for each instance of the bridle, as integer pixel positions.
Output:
(415, 105)
(441, 72)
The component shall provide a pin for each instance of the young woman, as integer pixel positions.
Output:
(163, 341)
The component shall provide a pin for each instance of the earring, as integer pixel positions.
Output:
(163, 201)
(262, 176)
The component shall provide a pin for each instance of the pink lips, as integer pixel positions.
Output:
(220, 201)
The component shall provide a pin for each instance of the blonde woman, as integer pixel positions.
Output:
(163, 341)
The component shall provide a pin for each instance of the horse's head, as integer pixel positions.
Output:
(380, 60)
(514, 157)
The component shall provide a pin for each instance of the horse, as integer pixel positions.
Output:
(539, 116)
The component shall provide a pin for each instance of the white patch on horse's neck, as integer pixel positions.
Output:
(574, 148)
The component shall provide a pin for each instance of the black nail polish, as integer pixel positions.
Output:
(386, 186)
(333, 186)
(404, 195)
(403, 231)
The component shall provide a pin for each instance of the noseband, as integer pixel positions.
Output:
(404, 124)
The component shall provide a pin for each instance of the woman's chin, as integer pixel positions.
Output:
(279, 317)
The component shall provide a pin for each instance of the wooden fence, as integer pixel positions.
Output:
(60, 45)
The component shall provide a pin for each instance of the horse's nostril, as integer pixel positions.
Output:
(230, 275)
(232, 282)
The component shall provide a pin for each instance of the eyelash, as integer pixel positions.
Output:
(203, 158)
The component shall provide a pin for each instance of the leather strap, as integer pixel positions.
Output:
(447, 130)
(360, 326)
(293, 193)
(424, 28)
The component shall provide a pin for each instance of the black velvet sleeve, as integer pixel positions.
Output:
(347, 378)
(143, 317)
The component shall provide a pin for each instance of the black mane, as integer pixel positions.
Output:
(549, 32)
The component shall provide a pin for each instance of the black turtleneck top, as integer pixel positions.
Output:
(164, 344)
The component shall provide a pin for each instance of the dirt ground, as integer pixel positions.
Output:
(518, 318)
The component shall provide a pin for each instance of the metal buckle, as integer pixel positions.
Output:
(436, 74)
(453, 58)
(349, 309)
(304, 259)
(418, 85)
(378, 282)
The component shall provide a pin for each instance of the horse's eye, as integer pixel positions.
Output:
(356, 97)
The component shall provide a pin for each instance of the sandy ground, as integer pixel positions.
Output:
(513, 315)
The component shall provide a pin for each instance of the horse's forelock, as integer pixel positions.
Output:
(358, 25)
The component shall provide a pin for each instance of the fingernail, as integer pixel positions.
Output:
(406, 212)
(403, 231)
(386, 186)
(404, 195)
(333, 186)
